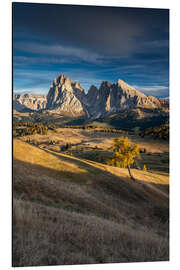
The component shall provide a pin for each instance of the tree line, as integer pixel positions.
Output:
(161, 132)
(97, 129)
(31, 128)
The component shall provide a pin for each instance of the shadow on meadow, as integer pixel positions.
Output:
(90, 216)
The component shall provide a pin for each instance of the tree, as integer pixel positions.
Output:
(124, 153)
(144, 168)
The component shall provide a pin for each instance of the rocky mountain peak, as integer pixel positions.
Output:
(105, 84)
(62, 81)
(68, 97)
(65, 96)
(121, 83)
(92, 90)
(127, 88)
(124, 86)
(77, 85)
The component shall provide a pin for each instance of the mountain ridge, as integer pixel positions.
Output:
(29, 102)
(68, 97)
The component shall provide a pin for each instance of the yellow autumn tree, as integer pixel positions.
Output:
(124, 153)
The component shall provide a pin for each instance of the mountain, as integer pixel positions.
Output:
(68, 98)
(164, 102)
(29, 102)
(113, 98)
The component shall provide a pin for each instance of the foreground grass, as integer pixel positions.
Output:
(73, 211)
(48, 236)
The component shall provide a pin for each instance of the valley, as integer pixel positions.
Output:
(83, 210)
(95, 144)
(69, 205)
(90, 135)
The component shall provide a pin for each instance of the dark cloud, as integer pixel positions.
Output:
(100, 43)
(106, 30)
(58, 50)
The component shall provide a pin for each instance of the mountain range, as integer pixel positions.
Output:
(29, 102)
(69, 98)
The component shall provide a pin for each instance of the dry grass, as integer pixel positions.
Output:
(73, 211)
(31, 154)
(101, 139)
(47, 236)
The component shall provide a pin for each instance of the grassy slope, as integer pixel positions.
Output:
(71, 211)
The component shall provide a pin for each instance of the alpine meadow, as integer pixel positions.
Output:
(90, 134)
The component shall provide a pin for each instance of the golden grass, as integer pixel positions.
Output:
(140, 175)
(100, 139)
(123, 172)
(73, 211)
(31, 154)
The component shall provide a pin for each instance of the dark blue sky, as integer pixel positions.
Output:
(90, 44)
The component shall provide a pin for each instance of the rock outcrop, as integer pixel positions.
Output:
(29, 102)
(113, 98)
(68, 97)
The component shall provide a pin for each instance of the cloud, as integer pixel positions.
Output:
(90, 44)
(27, 81)
(57, 50)
(32, 79)
(32, 60)
(111, 31)
(30, 91)
(156, 44)
(154, 90)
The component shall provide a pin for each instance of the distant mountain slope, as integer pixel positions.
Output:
(68, 97)
(29, 102)
(113, 98)
(73, 211)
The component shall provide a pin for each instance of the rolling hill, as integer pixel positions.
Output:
(69, 210)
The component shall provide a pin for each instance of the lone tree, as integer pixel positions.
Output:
(124, 153)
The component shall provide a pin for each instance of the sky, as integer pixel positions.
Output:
(90, 44)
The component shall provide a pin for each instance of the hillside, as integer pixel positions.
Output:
(68, 210)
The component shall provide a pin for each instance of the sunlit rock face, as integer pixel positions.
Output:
(112, 98)
(29, 102)
(68, 97)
